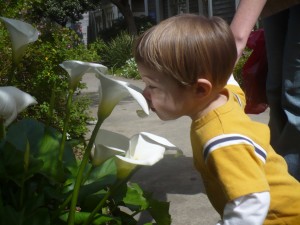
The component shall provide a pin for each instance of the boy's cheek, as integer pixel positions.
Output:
(146, 94)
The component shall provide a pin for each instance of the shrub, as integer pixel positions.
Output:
(129, 70)
(97, 47)
(237, 72)
(118, 51)
(39, 74)
(41, 180)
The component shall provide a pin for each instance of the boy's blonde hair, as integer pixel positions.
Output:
(188, 47)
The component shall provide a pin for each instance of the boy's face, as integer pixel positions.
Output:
(165, 96)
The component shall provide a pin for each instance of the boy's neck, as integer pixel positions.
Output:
(215, 101)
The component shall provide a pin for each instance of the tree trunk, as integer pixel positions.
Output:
(124, 7)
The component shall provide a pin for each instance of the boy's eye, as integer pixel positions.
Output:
(151, 87)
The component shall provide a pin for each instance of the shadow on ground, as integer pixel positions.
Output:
(171, 175)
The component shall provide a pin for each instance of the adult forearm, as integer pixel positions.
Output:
(244, 20)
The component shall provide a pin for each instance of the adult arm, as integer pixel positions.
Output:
(247, 210)
(246, 16)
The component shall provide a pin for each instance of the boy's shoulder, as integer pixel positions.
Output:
(238, 94)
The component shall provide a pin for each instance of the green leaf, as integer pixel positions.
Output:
(126, 218)
(9, 214)
(159, 211)
(108, 168)
(40, 216)
(25, 130)
(12, 164)
(44, 144)
(99, 179)
(14, 217)
(48, 152)
(81, 217)
(134, 198)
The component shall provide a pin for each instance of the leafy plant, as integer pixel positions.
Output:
(39, 74)
(42, 182)
(237, 71)
(118, 51)
(129, 70)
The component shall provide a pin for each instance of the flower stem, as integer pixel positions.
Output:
(110, 192)
(99, 206)
(2, 129)
(52, 102)
(66, 125)
(26, 166)
(79, 177)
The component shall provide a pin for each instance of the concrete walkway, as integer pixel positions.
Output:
(172, 179)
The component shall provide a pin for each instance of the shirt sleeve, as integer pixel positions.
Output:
(247, 210)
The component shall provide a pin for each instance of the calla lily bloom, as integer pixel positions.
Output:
(113, 91)
(76, 70)
(108, 144)
(143, 149)
(21, 35)
(12, 102)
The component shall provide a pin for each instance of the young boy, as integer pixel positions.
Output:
(185, 62)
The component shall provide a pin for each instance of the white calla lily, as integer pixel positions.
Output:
(143, 149)
(21, 35)
(113, 91)
(76, 69)
(108, 144)
(12, 102)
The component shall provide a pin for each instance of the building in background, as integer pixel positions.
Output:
(95, 21)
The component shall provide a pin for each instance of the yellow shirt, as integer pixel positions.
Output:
(234, 157)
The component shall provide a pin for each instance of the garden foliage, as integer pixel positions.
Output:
(41, 180)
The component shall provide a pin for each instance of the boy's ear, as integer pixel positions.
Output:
(203, 87)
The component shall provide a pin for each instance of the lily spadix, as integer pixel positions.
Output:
(76, 69)
(21, 34)
(143, 149)
(12, 102)
(112, 91)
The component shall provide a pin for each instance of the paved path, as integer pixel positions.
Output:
(172, 179)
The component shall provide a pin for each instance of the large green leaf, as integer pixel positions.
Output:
(99, 179)
(126, 218)
(44, 145)
(13, 217)
(159, 211)
(108, 168)
(48, 152)
(106, 173)
(134, 198)
(81, 217)
(25, 130)
(12, 164)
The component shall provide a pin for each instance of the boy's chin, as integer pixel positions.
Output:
(164, 117)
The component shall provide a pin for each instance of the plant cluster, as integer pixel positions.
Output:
(42, 182)
(39, 74)
(237, 71)
(129, 70)
(118, 51)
